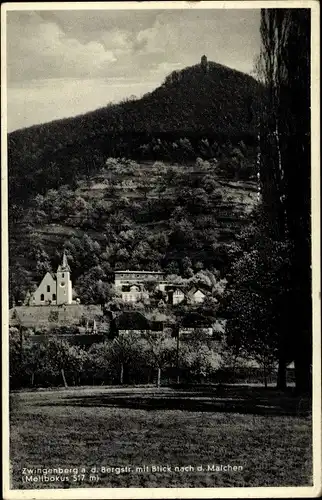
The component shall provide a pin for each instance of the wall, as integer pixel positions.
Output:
(177, 297)
(198, 297)
(48, 281)
(48, 317)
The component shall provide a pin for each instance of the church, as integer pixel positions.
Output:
(54, 289)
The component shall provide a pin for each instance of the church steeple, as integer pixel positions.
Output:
(64, 284)
(64, 266)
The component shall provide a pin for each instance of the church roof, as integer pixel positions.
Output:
(53, 275)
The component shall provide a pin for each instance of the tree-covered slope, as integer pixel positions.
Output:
(177, 218)
(94, 186)
(171, 123)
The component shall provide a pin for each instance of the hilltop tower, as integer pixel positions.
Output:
(64, 284)
(204, 63)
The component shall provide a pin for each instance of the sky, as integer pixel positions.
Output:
(64, 63)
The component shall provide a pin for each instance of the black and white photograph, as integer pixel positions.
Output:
(160, 250)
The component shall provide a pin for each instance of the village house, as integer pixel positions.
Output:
(196, 326)
(55, 289)
(133, 293)
(200, 332)
(136, 277)
(196, 295)
(175, 295)
(135, 322)
(136, 285)
(161, 285)
(132, 284)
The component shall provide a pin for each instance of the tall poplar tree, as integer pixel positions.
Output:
(285, 165)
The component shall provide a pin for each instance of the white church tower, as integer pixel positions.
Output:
(64, 284)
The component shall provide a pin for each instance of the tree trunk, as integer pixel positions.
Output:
(303, 377)
(122, 374)
(159, 377)
(21, 344)
(32, 379)
(178, 348)
(64, 378)
(281, 374)
(265, 376)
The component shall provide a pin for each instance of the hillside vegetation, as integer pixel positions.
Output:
(194, 113)
(176, 205)
(178, 219)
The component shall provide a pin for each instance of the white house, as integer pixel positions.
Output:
(174, 294)
(197, 296)
(195, 331)
(54, 289)
(133, 286)
(133, 293)
(178, 296)
(161, 285)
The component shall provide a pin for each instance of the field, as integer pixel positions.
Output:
(264, 434)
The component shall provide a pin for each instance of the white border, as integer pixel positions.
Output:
(129, 493)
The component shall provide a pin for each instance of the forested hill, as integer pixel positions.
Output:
(191, 115)
(164, 182)
(181, 219)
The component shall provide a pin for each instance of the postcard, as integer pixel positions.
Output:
(160, 250)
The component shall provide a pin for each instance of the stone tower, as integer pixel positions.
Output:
(64, 284)
(204, 63)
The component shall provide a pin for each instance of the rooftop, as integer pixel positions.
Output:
(128, 288)
(170, 288)
(138, 272)
(132, 320)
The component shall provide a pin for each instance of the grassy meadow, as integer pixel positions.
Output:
(265, 434)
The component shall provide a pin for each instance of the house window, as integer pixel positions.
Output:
(42, 297)
(54, 296)
(48, 288)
